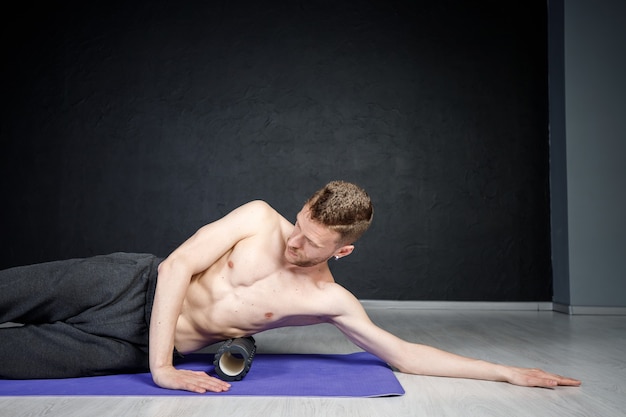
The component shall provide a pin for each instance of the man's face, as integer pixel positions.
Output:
(310, 243)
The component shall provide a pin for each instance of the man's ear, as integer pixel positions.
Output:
(344, 251)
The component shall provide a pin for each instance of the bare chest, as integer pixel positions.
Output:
(245, 292)
(262, 292)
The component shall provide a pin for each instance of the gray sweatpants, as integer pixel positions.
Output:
(81, 317)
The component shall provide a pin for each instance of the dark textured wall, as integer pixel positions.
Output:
(126, 126)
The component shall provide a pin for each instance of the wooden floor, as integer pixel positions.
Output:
(591, 348)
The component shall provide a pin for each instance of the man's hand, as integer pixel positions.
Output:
(537, 378)
(194, 381)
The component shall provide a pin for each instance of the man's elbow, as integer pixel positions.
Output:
(172, 266)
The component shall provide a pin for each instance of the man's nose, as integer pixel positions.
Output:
(295, 241)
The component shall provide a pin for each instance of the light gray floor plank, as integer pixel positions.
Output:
(587, 347)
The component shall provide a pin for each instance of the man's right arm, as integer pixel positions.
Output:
(197, 254)
(174, 278)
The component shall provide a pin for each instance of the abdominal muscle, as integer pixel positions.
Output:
(234, 298)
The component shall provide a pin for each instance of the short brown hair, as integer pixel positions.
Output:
(343, 207)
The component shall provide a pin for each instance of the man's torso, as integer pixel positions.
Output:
(250, 289)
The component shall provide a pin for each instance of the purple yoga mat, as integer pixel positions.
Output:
(294, 375)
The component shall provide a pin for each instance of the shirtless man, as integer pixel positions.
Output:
(253, 270)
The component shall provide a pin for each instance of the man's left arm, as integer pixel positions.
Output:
(414, 358)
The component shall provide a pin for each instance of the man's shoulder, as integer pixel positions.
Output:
(261, 207)
(337, 290)
(260, 210)
(334, 297)
(261, 226)
(254, 214)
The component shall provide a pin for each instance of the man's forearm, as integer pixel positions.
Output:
(171, 287)
(427, 360)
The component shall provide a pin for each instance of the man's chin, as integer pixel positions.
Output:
(294, 260)
(307, 263)
(298, 262)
